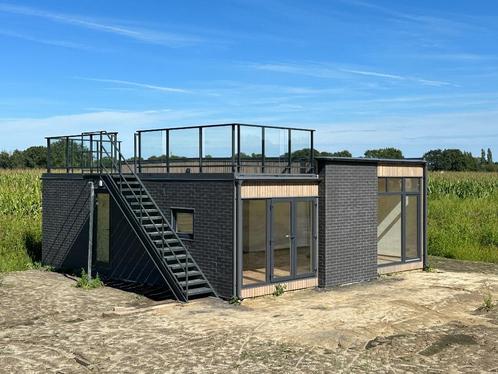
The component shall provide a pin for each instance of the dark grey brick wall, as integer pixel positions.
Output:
(347, 223)
(212, 246)
(65, 222)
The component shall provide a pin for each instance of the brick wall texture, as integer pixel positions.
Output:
(347, 224)
(212, 246)
(65, 222)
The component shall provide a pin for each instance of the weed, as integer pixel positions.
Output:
(234, 300)
(38, 266)
(85, 282)
(279, 289)
(430, 269)
(487, 302)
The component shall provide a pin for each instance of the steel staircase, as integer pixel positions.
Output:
(169, 254)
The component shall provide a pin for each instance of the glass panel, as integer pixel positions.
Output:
(251, 149)
(276, 149)
(389, 229)
(184, 150)
(184, 222)
(103, 227)
(253, 241)
(153, 151)
(382, 185)
(393, 184)
(217, 142)
(300, 145)
(304, 237)
(412, 227)
(412, 184)
(281, 240)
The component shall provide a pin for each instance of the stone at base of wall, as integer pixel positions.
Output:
(400, 267)
(268, 289)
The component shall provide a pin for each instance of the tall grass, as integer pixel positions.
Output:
(463, 216)
(20, 219)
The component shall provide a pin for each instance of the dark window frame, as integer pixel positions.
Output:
(269, 278)
(174, 211)
(404, 193)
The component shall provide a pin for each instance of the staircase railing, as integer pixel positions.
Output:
(118, 161)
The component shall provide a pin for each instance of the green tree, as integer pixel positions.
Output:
(483, 157)
(35, 157)
(343, 153)
(5, 162)
(384, 153)
(450, 159)
(490, 157)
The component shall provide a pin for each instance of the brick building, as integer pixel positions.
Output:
(230, 210)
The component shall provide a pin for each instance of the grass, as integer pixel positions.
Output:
(85, 282)
(463, 216)
(20, 219)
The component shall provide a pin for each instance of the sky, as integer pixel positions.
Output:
(416, 75)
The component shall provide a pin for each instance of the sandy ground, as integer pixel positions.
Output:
(411, 322)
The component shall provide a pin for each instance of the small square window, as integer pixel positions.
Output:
(183, 222)
(412, 184)
(393, 184)
(382, 185)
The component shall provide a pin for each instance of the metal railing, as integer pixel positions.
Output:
(225, 148)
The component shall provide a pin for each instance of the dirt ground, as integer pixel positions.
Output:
(410, 322)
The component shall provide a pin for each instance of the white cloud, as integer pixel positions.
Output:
(139, 34)
(54, 42)
(137, 84)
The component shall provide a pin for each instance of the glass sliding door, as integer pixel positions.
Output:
(254, 243)
(281, 238)
(304, 237)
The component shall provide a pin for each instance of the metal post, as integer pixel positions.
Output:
(262, 149)
(90, 229)
(49, 157)
(139, 152)
(100, 153)
(67, 154)
(167, 151)
(119, 157)
(289, 146)
(200, 149)
(238, 148)
(312, 153)
(91, 153)
(233, 148)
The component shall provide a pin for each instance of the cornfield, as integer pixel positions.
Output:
(462, 184)
(20, 219)
(20, 192)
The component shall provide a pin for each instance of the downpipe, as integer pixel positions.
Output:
(90, 228)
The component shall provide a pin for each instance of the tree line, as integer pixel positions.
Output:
(437, 159)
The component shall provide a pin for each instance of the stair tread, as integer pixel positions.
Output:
(191, 273)
(193, 282)
(199, 291)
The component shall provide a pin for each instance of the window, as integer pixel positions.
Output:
(399, 220)
(103, 227)
(254, 241)
(183, 222)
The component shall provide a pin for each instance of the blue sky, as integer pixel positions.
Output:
(416, 75)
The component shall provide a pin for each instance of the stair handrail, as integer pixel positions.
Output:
(188, 255)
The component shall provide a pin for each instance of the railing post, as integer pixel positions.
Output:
(100, 154)
(167, 151)
(262, 149)
(233, 148)
(200, 149)
(91, 153)
(312, 153)
(238, 148)
(67, 154)
(49, 156)
(289, 141)
(139, 152)
(118, 154)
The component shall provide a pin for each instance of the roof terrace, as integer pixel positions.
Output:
(222, 148)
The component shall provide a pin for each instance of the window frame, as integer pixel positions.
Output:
(404, 193)
(95, 250)
(174, 211)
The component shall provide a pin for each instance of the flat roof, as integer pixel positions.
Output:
(376, 161)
